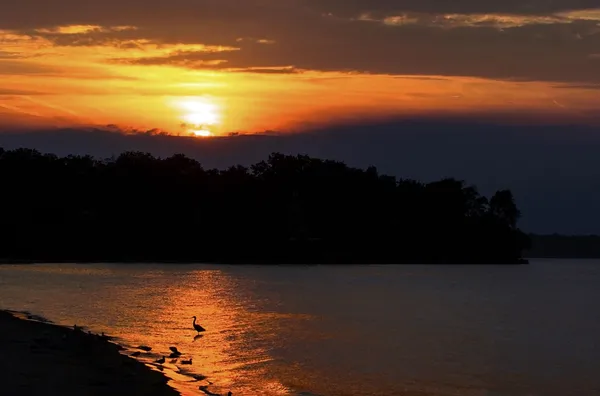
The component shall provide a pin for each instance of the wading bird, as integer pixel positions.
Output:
(197, 327)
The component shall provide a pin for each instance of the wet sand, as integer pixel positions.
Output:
(44, 359)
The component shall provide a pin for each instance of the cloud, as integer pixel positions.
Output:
(496, 21)
(268, 70)
(535, 40)
(589, 14)
(485, 20)
(351, 8)
(83, 29)
(254, 40)
(43, 43)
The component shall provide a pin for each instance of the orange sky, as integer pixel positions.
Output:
(71, 74)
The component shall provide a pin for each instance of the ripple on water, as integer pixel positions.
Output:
(361, 330)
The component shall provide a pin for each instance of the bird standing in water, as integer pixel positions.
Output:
(197, 327)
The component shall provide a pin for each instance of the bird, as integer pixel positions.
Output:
(173, 349)
(105, 337)
(186, 361)
(197, 327)
(136, 353)
(174, 355)
(144, 348)
(161, 360)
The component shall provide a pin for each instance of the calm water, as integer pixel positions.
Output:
(370, 330)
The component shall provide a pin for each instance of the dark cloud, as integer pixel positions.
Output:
(387, 7)
(554, 170)
(530, 53)
(304, 36)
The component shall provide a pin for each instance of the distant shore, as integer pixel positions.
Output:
(45, 359)
(255, 261)
(27, 262)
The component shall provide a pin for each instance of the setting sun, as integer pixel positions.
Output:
(199, 115)
(202, 133)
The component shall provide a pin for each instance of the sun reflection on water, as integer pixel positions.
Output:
(231, 354)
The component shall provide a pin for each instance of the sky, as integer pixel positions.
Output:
(229, 65)
(515, 81)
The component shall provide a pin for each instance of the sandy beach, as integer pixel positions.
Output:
(42, 358)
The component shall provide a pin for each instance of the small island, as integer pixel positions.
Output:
(283, 210)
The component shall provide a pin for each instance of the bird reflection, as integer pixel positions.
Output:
(198, 336)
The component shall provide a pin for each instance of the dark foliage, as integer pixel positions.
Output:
(287, 209)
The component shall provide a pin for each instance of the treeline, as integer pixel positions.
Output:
(286, 209)
(564, 246)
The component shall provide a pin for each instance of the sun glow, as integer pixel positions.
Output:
(202, 133)
(199, 116)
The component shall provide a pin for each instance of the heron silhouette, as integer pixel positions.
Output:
(197, 327)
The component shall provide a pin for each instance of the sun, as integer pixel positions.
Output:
(199, 116)
(201, 132)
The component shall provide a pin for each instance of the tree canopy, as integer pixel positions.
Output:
(285, 209)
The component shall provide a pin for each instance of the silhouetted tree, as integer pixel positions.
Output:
(503, 207)
(283, 209)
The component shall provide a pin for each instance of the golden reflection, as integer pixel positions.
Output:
(232, 354)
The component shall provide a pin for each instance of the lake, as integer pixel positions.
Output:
(411, 330)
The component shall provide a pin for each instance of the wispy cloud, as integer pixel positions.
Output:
(84, 29)
(255, 40)
(476, 20)
(81, 41)
(591, 14)
(267, 70)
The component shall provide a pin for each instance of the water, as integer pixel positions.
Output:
(334, 331)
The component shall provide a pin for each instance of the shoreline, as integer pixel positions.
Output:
(520, 261)
(45, 358)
